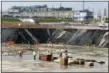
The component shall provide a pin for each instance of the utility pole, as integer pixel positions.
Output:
(60, 5)
(93, 12)
(83, 9)
(60, 9)
(83, 4)
(99, 14)
(105, 12)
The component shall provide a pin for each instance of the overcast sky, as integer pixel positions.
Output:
(96, 6)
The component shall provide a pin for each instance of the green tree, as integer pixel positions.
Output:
(106, 20)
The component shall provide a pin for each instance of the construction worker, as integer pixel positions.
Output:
(20, 53)
(60, 55)
(34, 55)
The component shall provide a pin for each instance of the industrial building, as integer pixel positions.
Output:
(39, 11)
(83, 15)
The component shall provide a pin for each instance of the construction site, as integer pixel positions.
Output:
(39, 38)
(86, 48)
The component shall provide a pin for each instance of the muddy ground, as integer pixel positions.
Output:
(12, 63)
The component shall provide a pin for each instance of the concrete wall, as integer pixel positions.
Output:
(72, 37)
